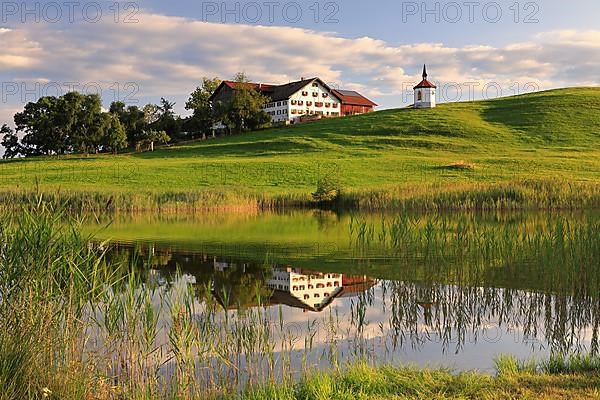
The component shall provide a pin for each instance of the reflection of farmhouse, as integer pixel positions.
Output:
(305, 289)
(301, 100)
(311, 290)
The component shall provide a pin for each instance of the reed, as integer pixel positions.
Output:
(507, 196)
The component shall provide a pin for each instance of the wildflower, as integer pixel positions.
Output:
(46, 392)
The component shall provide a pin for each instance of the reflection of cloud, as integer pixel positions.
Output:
(168, 55)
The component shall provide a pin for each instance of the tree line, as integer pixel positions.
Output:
(76, 123)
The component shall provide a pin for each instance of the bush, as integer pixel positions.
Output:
(328, 190)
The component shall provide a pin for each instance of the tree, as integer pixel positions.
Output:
(151, 114)
(166, 120)
(117, 108)
(42, 133)
(10, 142)
(151, 136)
(132, 119)
(115, 137)
(89, 129)
(203, 117)
(245, 110)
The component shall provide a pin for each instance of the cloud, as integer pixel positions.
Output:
(168, 56)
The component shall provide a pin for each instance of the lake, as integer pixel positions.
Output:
(280, 293)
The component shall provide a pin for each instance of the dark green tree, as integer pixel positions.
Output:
(41, 127)
(132, 119)
(245, 110)
(88, 132)
(115, 137)
(166, 119)
(151, 136)
(10, 142)
(203, 117)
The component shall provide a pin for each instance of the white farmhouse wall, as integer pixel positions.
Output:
(310, 100)
(313, 290)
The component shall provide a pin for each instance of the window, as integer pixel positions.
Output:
(309, 103)
(318, 104)
(304, 93)
(294, 102)
(293, 111)
(315, 84)
(335, 105)
(320, 286)
(300, 102)
(336, 284)
(317, 295)
(311, 286)
(325, 94)
(278, 103)
(306, 297)
(315, 94)
(419, 96)
(327, 105)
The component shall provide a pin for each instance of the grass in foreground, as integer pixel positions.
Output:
(378, 158)
(361, 381)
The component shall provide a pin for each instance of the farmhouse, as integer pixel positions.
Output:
(306, 98)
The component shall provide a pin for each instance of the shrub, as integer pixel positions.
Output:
(328, 190)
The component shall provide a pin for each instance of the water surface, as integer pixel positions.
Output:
(431, 290)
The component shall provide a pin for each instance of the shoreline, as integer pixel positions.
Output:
(533, 195)
(576, 377)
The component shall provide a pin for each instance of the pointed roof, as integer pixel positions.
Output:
(276, 92)
(425, 84)
(283, 92)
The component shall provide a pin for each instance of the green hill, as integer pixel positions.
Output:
(553, 135)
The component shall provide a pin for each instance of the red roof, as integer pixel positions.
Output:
(353, 98)
(259, 86)
(425, 84)
(281, 92)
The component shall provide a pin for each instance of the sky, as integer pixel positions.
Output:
(138, 52)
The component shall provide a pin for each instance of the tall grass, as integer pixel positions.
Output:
(48, 274)
(75, 325)
(516, 195)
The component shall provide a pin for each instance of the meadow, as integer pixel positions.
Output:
(534, 150)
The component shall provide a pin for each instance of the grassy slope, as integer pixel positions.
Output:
(543, 135)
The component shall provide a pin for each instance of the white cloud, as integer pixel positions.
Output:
(167, 56)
